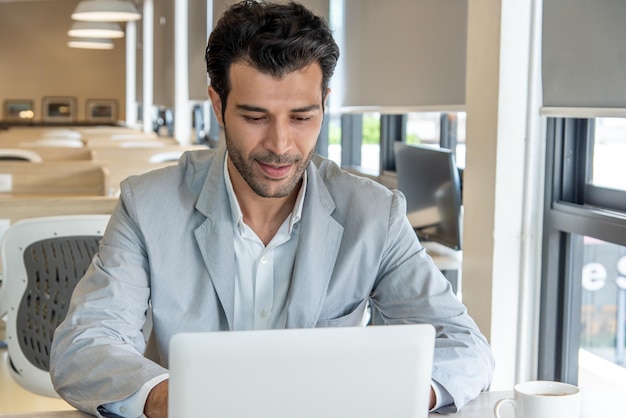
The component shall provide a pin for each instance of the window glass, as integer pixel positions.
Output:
(370, 146)
(364, 134)
(461, 123)
(423, 128)
(603, 308)
(334, 137)
(609, 153)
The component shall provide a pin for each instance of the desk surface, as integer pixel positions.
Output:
(481, 407)
(596, 403)
(445, 258)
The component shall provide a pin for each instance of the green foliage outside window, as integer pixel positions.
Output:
(371, 129)
(371, 132)
(413, 139)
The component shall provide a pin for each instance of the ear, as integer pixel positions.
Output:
(216, 103)
(325, 98)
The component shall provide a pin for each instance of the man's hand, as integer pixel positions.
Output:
(433, 399)
(156, 403)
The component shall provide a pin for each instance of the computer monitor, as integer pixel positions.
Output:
(429, 179)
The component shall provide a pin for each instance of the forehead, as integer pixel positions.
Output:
(251, 86)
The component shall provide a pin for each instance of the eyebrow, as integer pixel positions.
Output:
(251, 108)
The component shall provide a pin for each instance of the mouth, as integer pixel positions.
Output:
(273, 171)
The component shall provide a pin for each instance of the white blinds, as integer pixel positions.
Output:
(404, 53)
(584, 58)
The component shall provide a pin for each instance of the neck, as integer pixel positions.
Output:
(264, 215)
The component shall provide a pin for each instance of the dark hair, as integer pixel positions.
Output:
(273, 38)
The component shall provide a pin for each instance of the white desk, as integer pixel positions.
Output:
(447, 260)
(481, 407)
(596, 403)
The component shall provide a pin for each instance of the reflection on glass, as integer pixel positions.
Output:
(609, 153)
(603, 314)
(58, 109)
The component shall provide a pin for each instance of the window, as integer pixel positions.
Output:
(603, 307)
(364, 141)
(446, 130)
(583, 301)
(609, 153)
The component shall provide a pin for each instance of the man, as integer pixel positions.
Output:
(260, 233)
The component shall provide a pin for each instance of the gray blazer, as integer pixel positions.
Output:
(169, 247)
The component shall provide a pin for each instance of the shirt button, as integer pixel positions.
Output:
(263, 260)
(263, 313)
(122, 409)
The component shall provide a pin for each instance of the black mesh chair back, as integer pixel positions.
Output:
(43, 259)
(53, 267)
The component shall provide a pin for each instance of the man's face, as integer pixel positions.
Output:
(271, 127)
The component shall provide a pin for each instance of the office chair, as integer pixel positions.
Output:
(43, 259)
(16, 154)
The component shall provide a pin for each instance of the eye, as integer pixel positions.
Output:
(254, 118)
(302, 118)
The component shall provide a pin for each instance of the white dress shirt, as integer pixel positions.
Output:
(263, 273)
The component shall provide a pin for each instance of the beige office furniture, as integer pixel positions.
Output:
(17, 154)
(33, 206)
(56, 177)
(48, 154)
(152, 154)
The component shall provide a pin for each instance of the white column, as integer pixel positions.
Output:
(500, 241)
(209, 28)
(182, 109)
(131, 72)
(148, 63)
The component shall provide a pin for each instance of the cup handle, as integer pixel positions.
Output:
(496, 408)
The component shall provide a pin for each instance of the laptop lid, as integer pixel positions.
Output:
(365, 372)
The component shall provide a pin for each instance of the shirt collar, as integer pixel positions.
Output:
(235, 209)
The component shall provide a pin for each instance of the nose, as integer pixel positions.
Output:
(278, 138)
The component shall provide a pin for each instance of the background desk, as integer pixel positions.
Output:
(447, 260)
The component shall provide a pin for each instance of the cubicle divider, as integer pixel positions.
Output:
(142, 154)
(52, 178)
(106, 156)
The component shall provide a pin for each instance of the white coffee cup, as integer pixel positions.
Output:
(543, 399)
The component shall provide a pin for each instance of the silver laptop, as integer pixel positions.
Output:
(364, 372)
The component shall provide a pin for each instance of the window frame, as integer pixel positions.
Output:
(573, 208)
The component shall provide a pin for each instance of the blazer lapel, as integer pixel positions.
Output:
(320, 239)
(215, 236)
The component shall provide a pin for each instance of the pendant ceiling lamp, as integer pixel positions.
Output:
(108, 30)
(90, 43)
(106, 11)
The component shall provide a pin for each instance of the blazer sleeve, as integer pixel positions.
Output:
(97, 351)
(410, 289)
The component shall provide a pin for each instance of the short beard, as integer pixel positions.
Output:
(262, 188)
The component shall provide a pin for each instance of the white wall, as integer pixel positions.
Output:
(35, 60)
